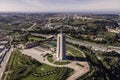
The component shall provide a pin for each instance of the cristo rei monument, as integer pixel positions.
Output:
(61, 46)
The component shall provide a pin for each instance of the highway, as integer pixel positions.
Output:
(5, 61)
(5, 58)
(94, 46)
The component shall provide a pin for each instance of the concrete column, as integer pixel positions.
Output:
(61, 46)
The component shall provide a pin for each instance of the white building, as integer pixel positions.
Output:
(2, 47)
(3, 42)
(61, 46)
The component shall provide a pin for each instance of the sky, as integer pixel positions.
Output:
(59, 5)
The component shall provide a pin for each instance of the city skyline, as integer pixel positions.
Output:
(60, 6)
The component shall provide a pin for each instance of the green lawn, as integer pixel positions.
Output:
(31, 77)
(62, 63)
(44, 68)
(15, 34)
(35, 38)
(108, 34)
(74, 51)
(61, 74)
(50, 58)
(27, 68)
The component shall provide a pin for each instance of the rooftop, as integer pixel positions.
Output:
(1, 47)
(3, 42)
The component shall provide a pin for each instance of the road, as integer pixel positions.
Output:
(5, 61)
(6, 58)
(100, 47)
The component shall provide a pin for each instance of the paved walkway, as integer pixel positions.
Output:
(79, 71)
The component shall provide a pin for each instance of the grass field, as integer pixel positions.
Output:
(50, 59)
(23, 67)
(62, 63)
(30, 38)
(77, 54)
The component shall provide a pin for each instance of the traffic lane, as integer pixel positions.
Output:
(5, 61)
(94, 45)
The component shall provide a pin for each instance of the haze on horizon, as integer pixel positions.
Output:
(59, 5)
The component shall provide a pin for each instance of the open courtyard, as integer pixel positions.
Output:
(80, 67)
